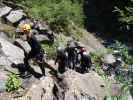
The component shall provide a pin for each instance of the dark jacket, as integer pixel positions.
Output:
(35, 45)
(86, 61)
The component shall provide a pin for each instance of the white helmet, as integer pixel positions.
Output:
(85, 53)
(119, 59)
(59, 48)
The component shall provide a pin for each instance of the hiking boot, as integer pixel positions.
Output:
(26, 75)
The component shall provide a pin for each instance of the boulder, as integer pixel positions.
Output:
(4, 10)
(41, 37)
(23, 44)
(40, 25)
(15, 16)
(89, 86)
(41, 90)
(109, 59)
(11, 53)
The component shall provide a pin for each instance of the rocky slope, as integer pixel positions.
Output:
(69, 86)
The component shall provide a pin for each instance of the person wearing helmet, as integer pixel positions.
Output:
(71, 51)
(85, 61)
(61, 58)
(36, 49)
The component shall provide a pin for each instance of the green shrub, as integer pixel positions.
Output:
(98, 54)
(96, 59)
(51, 48)
(124, 51)
(125, 14)
(57, 12)
(13, 83)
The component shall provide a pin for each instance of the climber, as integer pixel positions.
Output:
(70, 49)
(79, 50)
(61, 58)
(36, 50)
(85, 62)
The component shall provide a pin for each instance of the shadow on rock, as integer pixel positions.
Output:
(23, 71)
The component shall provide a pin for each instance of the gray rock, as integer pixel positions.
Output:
(75, 86)
(4, 10)
(41, 37)
(12, 53)
(4, 36)
(90, 41)
(15, 16)
(41, 25)
(84, 86)
(109, 59)
(23, 44)
(41, 90)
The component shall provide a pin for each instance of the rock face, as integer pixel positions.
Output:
(11, 53)
(41, 25)
(4, 10)
(4, 36)
(42, 90)
(15, 16)
(90, 41)
(72, 86)
(41, 37)
(84, 86)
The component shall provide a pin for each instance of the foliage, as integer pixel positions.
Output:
(97, 61)
(112, 98)
(51, 48)
(118, 15)
(125, 14)
(124, 52)
(98, 54)
(125, 79)
(29, 98)
(57, 12)
(13, 83)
